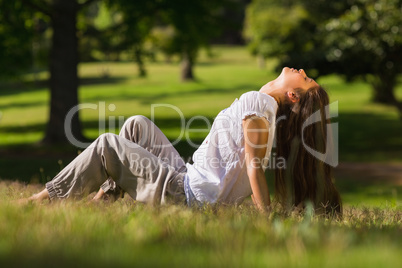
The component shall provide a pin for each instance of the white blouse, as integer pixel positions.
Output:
(219, 171)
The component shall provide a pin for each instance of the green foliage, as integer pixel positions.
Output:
(142, 28)
(353, 38)
(105, 17)
(162, 38)
(196, 22)
(268, 24)
(137, 19)
(370, 32)
(98, 28)
(16, 35)
(109, 30)
(361, 36)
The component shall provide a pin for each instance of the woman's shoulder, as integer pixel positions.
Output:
(253, 103)
(257, 95)
(258, 100)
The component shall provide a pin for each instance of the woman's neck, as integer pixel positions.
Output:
(274, 90)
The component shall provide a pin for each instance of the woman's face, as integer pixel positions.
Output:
(293, 78)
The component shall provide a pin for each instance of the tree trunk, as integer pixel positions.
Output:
(187, 67)
(261, 61)
(63, 73)
(384, 92)
(384, 86)
(140, 63)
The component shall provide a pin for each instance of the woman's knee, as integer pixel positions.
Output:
(136, 128)
(136, 119)
(107, 138)
(110, 142)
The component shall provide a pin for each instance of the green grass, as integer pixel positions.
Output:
(126, 234)
(369, 193)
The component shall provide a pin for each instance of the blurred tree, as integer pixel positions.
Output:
(17, 30)
(162, 38)
(63, 66)
(20, 23)
(367, 40)
(121, 27)
(129, 31)
(270, 26)
(195, 24)
(231, 21)
(354, 38)
(63, 70)
(171, 26)
(175, 26)
(16, 34)
(100, 38)
(63, 56)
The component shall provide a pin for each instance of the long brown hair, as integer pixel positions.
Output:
(305, 178)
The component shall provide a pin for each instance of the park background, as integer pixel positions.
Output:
(199, 56)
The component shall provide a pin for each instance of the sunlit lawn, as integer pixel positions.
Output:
(125, 234)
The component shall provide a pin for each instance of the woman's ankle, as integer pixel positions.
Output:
(44, 194)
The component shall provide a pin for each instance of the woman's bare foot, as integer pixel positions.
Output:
(108, 196)
(36, 198)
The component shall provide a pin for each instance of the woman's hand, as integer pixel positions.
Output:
(98, 195)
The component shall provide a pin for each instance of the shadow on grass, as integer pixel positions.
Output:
(23, 87)
(368, 137)
(95, 80)
(22, 129)
(146, 100)
(360, 192)
(22, 105)
(11, 88)
(202, 92)
(362, 137)
(31, 162)
(155, 98)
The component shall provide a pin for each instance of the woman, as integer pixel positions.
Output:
(230, 163)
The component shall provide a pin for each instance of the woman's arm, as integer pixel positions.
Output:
(256, 132)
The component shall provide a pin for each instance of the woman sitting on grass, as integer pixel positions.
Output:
(230, 163)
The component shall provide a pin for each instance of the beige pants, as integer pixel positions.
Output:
(140, 160)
